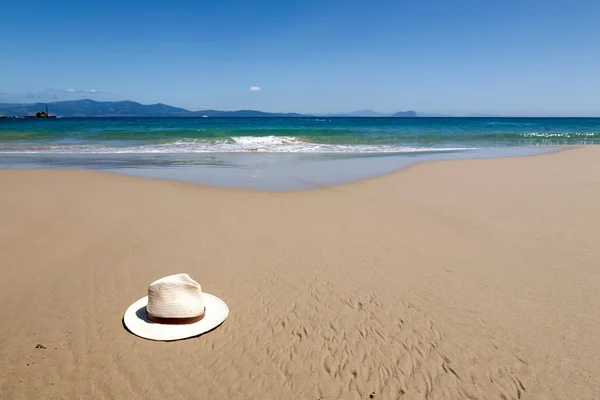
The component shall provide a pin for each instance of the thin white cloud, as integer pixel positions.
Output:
(88, 91)
(254, 88)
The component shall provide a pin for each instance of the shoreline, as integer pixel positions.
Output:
(449, 279)
(271, 172)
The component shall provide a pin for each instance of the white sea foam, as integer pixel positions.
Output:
(265, 140)
(238, 144)
(565, 135)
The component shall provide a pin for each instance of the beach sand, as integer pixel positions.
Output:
(475, 279)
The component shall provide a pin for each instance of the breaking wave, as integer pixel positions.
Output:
(236, 144)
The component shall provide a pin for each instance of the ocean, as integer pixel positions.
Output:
(295, 153)
(299, 135)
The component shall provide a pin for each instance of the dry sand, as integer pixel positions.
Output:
(473, 279)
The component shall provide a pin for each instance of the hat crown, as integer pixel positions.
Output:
(175, 296)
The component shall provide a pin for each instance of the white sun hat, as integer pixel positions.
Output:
(174, 309)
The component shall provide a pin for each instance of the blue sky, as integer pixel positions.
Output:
(459, 57)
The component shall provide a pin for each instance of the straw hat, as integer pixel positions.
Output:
(174, 309)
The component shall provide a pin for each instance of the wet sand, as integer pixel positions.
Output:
(273, 172)
(454, 279)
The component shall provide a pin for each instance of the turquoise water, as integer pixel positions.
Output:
(288, 135)
(276, 153)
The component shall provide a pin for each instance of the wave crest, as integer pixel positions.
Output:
(236, 144)
(565, 135)
(265, 140)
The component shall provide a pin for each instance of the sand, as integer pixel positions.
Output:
(475, 279)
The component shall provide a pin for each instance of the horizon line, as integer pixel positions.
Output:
(299, 114)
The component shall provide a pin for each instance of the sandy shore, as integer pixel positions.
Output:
(473, 279)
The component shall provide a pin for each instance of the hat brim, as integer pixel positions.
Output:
(137, 322)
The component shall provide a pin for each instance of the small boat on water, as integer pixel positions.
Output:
(42, 114)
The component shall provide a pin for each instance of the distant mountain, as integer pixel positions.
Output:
(360, 113)
(91, 108)
(405, 114)
(241, 114)
(374, 114)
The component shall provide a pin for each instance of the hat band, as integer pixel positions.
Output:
(175, 321)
